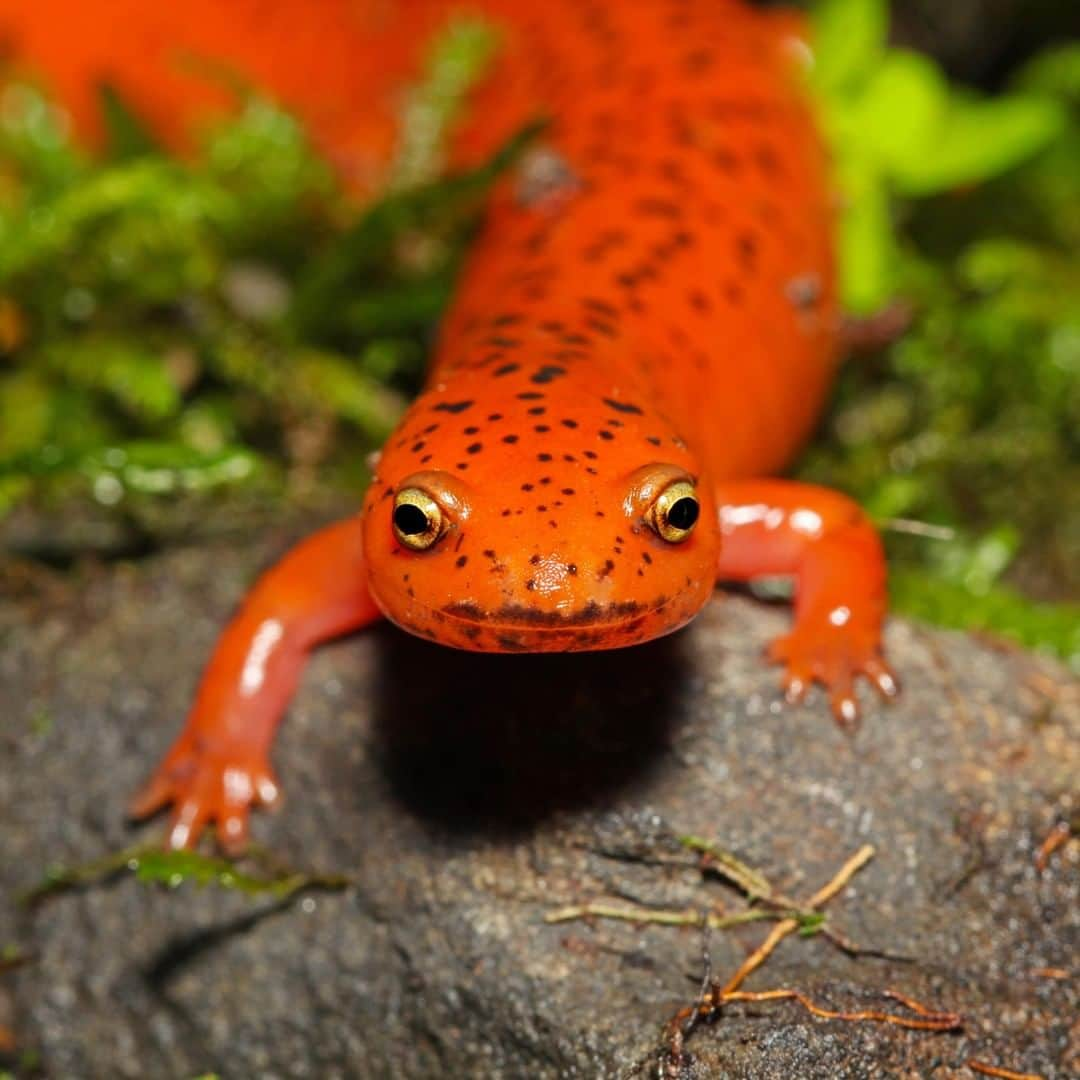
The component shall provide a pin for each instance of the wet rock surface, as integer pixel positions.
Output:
(468, 796)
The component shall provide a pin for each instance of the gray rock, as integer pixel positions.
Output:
(466, 796)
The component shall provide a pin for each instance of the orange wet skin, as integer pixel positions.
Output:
(644, 330)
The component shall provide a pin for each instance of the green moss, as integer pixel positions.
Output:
(167, 326)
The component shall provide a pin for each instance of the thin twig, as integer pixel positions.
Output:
(1055, 839)
(750, 881)
(668, 917)
(925, 1020)
(918, 528)
(997, 1070)
(789, 925)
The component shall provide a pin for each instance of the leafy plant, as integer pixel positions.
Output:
(962, 437)
(898, 130)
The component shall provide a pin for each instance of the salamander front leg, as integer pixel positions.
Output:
(219, 765)
(826, 542)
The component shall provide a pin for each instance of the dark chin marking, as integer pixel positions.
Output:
(511, 615)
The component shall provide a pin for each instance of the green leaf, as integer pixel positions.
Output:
(898, 116)
(867, 247)
(848, 40)
(152, 865)
(1055, 72)
(978, 140)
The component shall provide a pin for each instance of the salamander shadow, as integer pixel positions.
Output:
(499, 742)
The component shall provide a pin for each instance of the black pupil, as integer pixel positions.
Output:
(683, 513)
(410, 520)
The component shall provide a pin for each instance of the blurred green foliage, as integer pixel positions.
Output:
(897, 128)
(963, 436)
(171, 326)
(233, 322)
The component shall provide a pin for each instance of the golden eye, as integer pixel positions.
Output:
(675, 512)
(418, 519)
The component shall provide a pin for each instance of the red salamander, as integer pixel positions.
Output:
(644, 331)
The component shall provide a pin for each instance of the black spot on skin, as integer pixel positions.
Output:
(605, 570)
(495, 416)
(506, 320)
(699, 301)
(547, 373)
(425, 459)
(542, 508)
(569, 423)
(568, 491)
(417, 447)
(530, 395)
(530, 584)
(537, 410)
(489, 553)
(471, 430)
(527, 487)
(543, 457)
(659, 208)
(506, 369)
(474, 448)
(454, 406)
(534, 560)
(652, 439)
(602, 328)
(510, 439)
(545, 479)
(602, 306)
(622, 406)
(462, 465)
(647, 557)
(746, 246)
(499, 342)
(541, 429)
(461, 561)
(571, 569)
(605, 435)
(429, 429)
(590, 454)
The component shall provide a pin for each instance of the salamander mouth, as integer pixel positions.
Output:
(520, 629)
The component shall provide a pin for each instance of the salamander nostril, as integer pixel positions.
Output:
(684, 513)
(410, 520)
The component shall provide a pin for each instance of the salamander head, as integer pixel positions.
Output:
(539, 520)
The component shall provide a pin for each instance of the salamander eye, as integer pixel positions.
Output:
(418, 519)
(675, 512)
